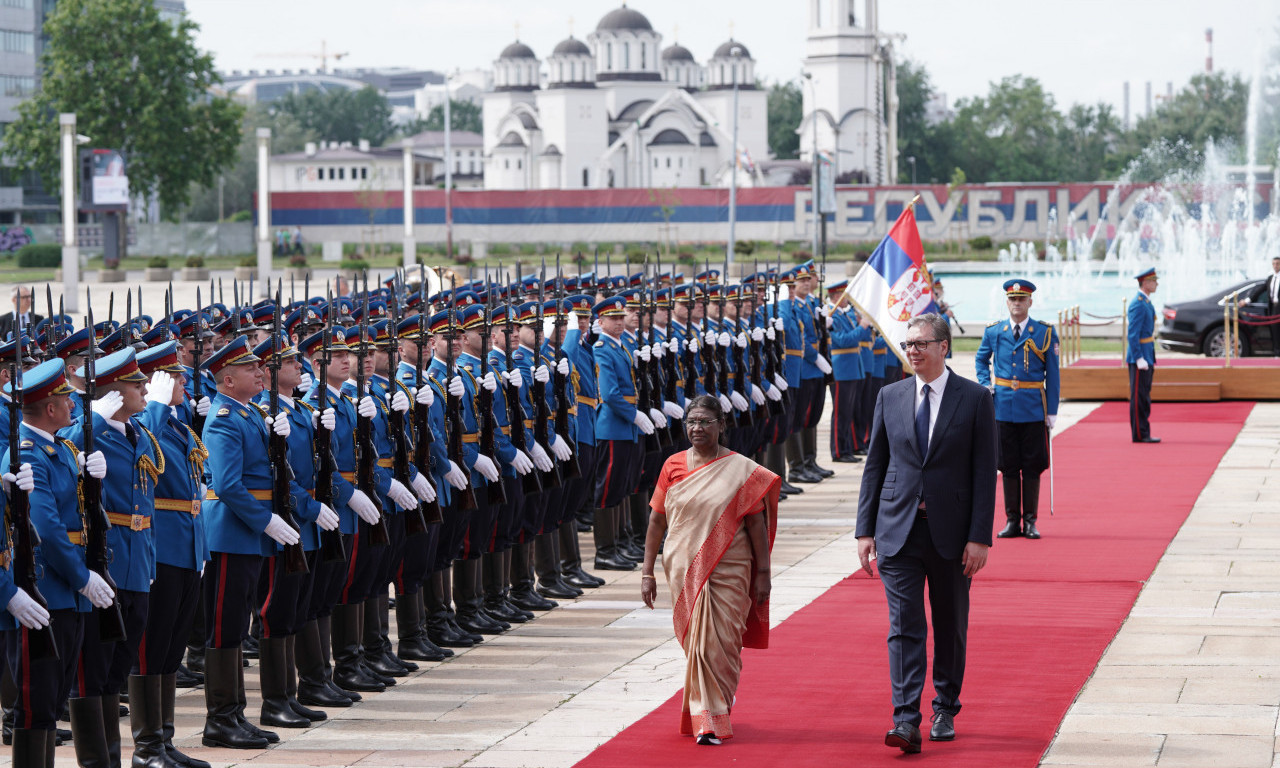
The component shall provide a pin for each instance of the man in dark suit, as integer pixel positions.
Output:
(926, 508)
(26, 318)
(1273, 304)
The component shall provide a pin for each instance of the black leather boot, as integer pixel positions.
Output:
(111, 726)
(571, 559)
(313, 681)
(87, 732)
(605, 533)
(32, 748)
(324, 625)
(467, 601)
(507, 570)
(384, 635)
(1012, 484)
(147, 724)
(809, 442)
(168, 701)
(1030, 505)
(272, 676)
(494, 587)
(523, 595)
(439, 629)
(795, 459)
(547, 564)
(222, 727)
(371, 645)
(348, 673)
(412, 632)
(291, 682)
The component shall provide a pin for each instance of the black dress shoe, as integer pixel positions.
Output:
(1011, 531)
(610, 563)
(475, 637)
(847, 458)
(822, 472)
(188, 679)
(532, 601)
(905, 737)
(504, 611)
(859, 451)
(1147, 440)
(475, 624)
(803, 476)
(382, 666)
(421, 649)
(1030, 530)
(320, 696)
(357, 678)
(581, 576)
(558, 590)
(582, 527)
(790, 489)
(944, 727)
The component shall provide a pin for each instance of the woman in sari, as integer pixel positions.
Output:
(718, 511)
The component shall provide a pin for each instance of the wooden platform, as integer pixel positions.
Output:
(1174, 382)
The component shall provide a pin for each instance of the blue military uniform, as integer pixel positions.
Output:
(849, 378)
(1141, 346)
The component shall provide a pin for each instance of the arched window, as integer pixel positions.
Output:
(626, 55)
(644, 59)
(585, 178)
(608, 56)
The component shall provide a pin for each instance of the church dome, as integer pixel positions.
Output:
(571, 47)
(517, 50)
(677, 52)
(624, 18)
(725, 51)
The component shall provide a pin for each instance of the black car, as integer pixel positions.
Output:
(1196, 326)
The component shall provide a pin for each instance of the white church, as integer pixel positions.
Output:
(619, 110)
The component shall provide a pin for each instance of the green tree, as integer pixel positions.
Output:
(1009, 135)
(341, 115)
(1088, 140)
(915, 135)
(785, 108)
(240, 181)
(1210, 107)
(463, 116)
(137, 84)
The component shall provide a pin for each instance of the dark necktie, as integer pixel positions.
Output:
(922, 422)
(1017, 332)
(131, 434)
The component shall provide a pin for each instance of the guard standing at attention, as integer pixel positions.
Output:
(1024, 353)
(1141, 357)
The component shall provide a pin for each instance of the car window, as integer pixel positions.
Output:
(1249, 290)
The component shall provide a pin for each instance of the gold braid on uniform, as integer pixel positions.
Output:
(1041, 350)
(198, 455)
(145, 464)
(75, 455)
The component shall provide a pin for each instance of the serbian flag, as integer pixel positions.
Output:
(894, 285)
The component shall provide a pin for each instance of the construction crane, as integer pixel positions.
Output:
(323, 56)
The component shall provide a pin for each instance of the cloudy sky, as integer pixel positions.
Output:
(1082, 51)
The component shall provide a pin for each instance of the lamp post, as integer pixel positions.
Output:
(70, 248)
(264, 211)
(410, 249)
(813, 117)
(911, 161)
(736, 53)
(448, 170)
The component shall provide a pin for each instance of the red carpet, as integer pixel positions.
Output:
(1042, 614)
(1182, 362)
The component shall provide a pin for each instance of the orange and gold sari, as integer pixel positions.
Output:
(708, 562)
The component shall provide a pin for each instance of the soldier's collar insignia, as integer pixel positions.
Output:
(223, 411)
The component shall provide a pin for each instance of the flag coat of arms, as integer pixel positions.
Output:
(894, 285)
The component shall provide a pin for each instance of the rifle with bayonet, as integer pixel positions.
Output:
(20, 532)
(331, 549)
(646, 389)
(422, 432)
(671, 360)
(541, 411)
(559, 380)
(495, 493)
(453, 425)
(415, 521)
(282, 503)
(777, 350)
(722, 353)
(820, 321)
(97, 552)
(197, 375)
(530, 482)
(366, 453)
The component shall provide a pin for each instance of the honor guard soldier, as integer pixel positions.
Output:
(580, 356)
(846, 364)
(1024, 354)
(69, 587)
(134, 464)
(242, 530)
(178, 525)
(22, 613)
(1141, 357)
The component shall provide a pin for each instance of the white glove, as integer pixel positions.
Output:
(741, 340)
(541, 374)
(400, 401)
(521, 462)
(658, 350)
(739, 401)
(203, 405)
(515, 378)
(826, 310)
(595, 327)
(771, 334)
(401, 495)
(280, 425)
(422, 487)
(830, 321)
(25, 479)
(991, 388)
(823, 364)
(97, 591)
(107, 405)
(659, 420)
(757, 334)
(366, 407)
(774, 394)
(327, 519)
(1142, 366)
(644, 423)
(757, 396)
(709, 337)
(674, 346)
(540, 458)
(424, 395)
(777, 323)
(560, 447)
(673, 410)
(28, 612)
(329, 419)
(456, 387)
(485, 466)
(95, 463)
(305, 385)
(692, 344)
(280, 531)
(562, 367)
(455, 477)
(779, 382)
(489, 382)
(725, 403)
(362, 506)
(160, 388)
(645, 353)
(724, 339)
(1051, 420)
